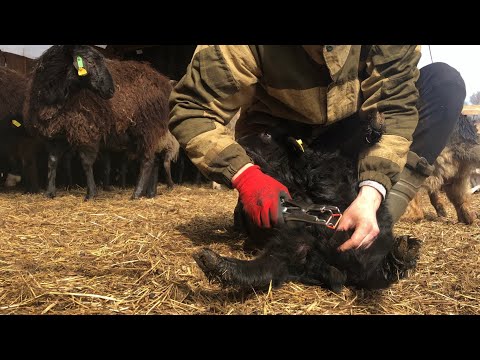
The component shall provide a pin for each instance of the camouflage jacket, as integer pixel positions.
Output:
(317, 85)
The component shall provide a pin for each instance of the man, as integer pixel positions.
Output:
(317, 86)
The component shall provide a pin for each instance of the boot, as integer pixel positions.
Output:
(416, 171)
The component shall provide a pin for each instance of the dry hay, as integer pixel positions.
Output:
(116, 256)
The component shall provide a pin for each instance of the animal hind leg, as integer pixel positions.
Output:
(153, 182)
(55, 152)
(437, 203)
(143, 176)
(459, 196)
(258, 273)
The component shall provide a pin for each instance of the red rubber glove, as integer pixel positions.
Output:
(260, 195)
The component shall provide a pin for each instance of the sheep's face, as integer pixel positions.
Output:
(90, 71)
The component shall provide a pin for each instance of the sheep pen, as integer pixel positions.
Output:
(114, 256)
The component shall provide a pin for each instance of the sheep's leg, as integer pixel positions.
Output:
(143, 177)
(257, 273)
(153, 183)
(459, 195)
(107, 170)
(437, 203)
(88, 156)
(55, 152)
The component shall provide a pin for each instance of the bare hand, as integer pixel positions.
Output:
(361, 215)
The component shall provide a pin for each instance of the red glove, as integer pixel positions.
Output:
(260, 195)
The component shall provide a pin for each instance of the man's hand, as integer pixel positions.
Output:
(361, 215)
(260, 195)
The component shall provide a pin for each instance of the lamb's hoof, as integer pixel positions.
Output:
(134, 197)
(207, 260)
(88, 197)
(407, 249)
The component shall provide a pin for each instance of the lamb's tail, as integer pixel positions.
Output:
(257, 274)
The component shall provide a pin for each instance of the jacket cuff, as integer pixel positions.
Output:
(376, 185)
(376, 176)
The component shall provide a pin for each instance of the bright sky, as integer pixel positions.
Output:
(464, 58)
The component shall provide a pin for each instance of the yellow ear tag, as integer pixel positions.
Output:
(81, 70)
(16, 123)
(300, 143)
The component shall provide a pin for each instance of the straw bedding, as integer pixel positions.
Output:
(116, 256)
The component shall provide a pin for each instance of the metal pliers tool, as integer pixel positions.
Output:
(326, 215)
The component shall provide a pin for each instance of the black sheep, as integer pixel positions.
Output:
(304, 252)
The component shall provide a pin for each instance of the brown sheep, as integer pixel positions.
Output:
(77, 98)
(452, 172)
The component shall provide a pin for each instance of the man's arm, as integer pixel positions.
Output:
(390, 90)
(219, 81)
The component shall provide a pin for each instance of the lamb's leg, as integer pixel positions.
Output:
(459, 195)
(153, 182)
(146, 166)
(437, 203)
(88, 155)
(257, 273)
(55, 152)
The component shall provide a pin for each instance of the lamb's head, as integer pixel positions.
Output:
(271, 145)
(89, 70)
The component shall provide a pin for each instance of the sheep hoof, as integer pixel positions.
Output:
(466, 217)
(441, 212)
(50, 194)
